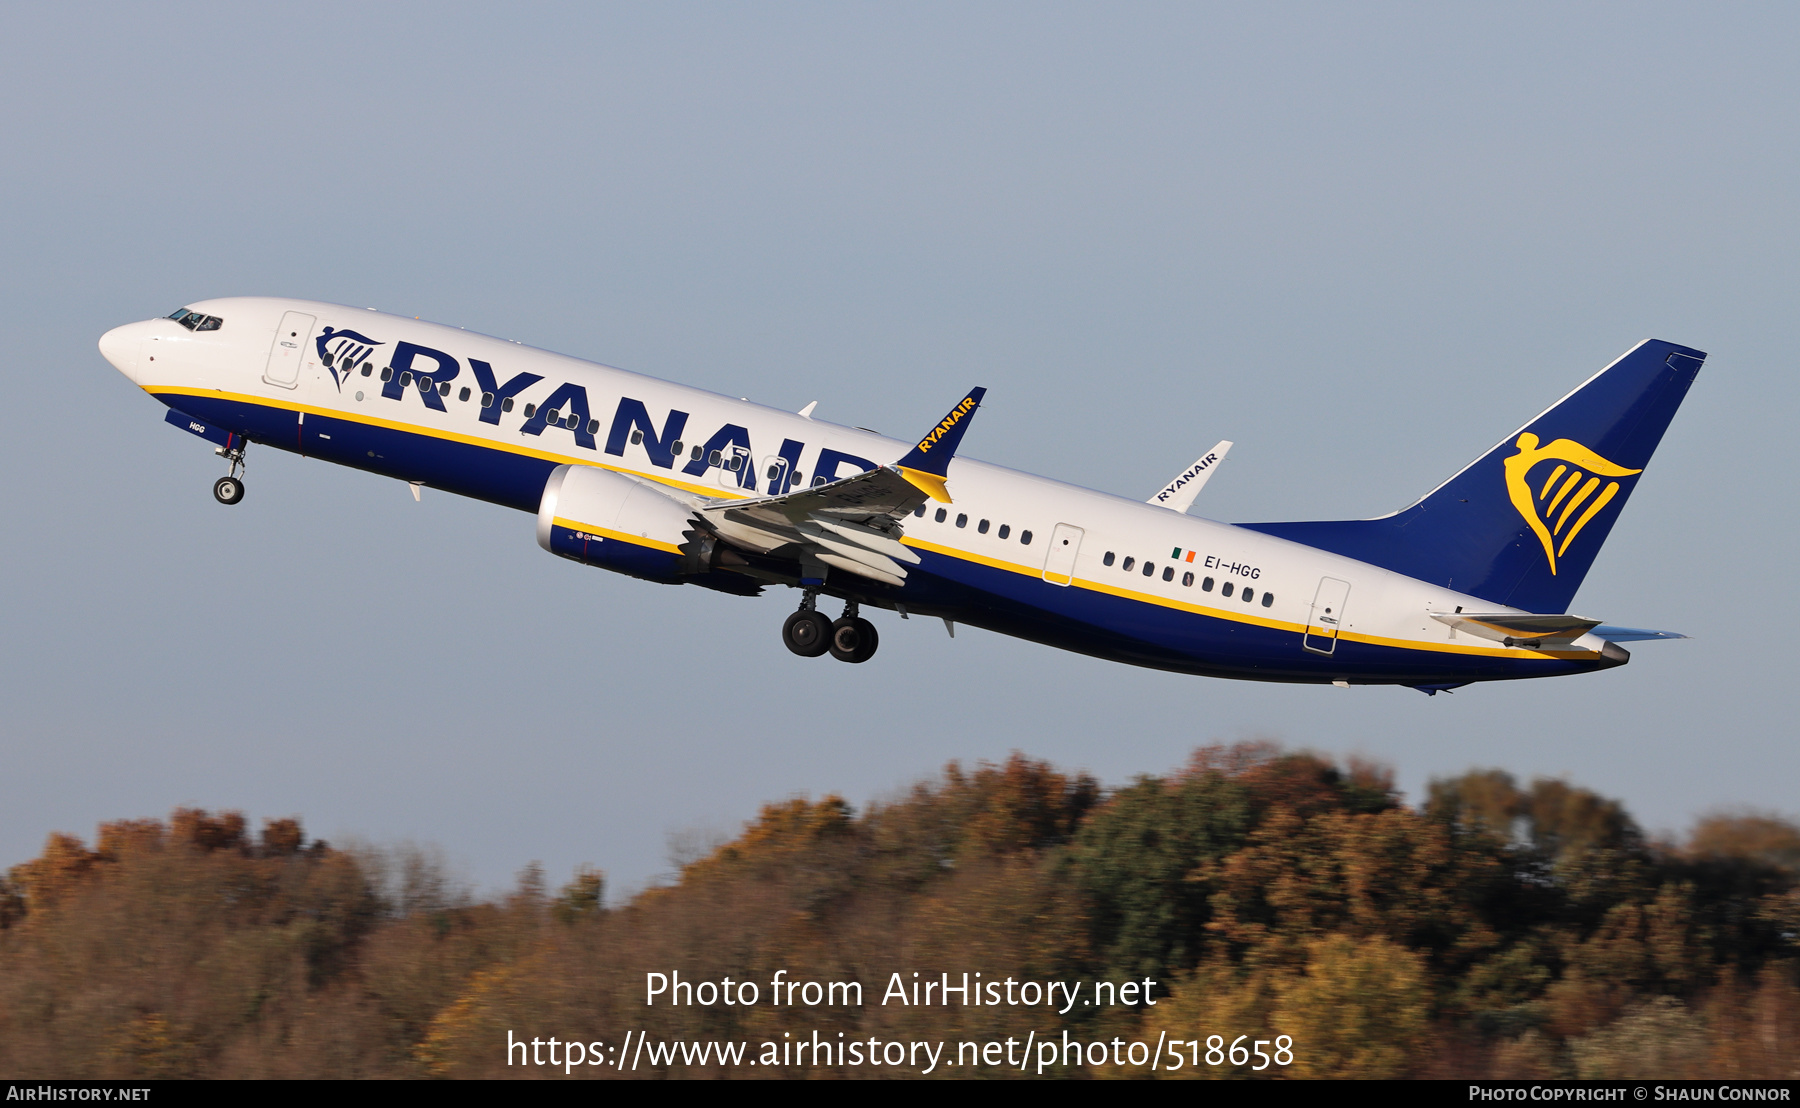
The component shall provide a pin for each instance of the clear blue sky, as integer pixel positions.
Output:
(1362, 241)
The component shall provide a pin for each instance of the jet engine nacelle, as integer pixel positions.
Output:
(599, 518)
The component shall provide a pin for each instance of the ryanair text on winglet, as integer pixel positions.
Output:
(951, 420)
(1198, 468)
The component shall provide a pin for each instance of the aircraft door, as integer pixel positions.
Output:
(1327, 616)
(732, 461)
(289, 349)
(1059, 563)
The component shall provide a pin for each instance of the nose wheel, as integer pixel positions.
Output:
(809, 634)
(229, 489)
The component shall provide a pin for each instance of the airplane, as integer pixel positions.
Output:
(679, 485)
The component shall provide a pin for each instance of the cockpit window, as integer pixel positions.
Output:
(194, 321)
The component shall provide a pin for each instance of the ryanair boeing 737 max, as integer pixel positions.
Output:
(682, 486)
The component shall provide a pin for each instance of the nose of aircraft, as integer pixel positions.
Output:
(120, 347)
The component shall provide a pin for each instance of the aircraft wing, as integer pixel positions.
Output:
(852, 524)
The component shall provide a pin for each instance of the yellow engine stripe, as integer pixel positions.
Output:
(616, 536)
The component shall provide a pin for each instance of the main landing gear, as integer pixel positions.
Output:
(809, 634)
(229, 489)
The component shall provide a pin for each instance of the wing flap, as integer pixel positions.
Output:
(852, 524)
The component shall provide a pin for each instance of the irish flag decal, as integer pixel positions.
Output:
(1181, 555)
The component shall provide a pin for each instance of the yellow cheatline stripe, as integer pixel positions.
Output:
(716, 491)
(1234, 616)
(1587, 490)
(1599, 503)
(616, 536)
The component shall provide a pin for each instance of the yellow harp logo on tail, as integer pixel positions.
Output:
(1570, 487)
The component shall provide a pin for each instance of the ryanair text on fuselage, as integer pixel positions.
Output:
(682, 486)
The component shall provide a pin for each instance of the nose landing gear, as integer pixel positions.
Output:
(809, 634)
(229, 489)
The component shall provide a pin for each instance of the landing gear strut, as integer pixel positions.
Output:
(809, 634)
(229, 489)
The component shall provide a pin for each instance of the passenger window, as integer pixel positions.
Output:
(919, 511)
(444, 389)
(982, 527)
(797, 478)
(818, 479)
(1129, 562)
(571, 421)
(637, 437)
(551, 415)
(462, 396)
(507, 404)
(1005, 530)
(1149, 569)
(1206, 585)
(1249, 595)
(406, 378)
(737, 462)
(1268, 599)
(1168, 573)
(962, 519)
(941, 515)
(713, 458)
(1187, 580)
(487, 399)
(387, 373)
(674, 447)
(696, 454)
(593, 424)
(1025, 538)
(366, 368)
(1108, 560)
(530, 410)
(424, 385)
(1225, 589)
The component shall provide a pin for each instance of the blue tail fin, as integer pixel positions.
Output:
(1521, 524)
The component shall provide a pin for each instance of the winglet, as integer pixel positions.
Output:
(1178, 495)
(927, 464)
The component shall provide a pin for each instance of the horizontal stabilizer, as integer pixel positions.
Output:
(1178, 495)
(1611, 633)
(1518, 627)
